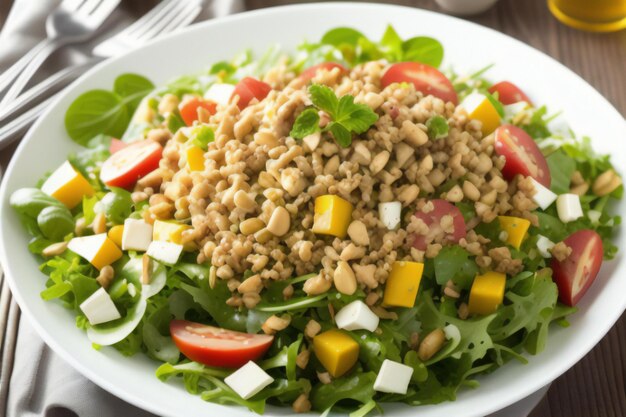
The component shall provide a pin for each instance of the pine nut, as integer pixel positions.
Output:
(99, 224)
(580, 189)
(470, 191)
(305, 252)
(606, 183)
(275, 324)
(302, 360)
(301, 404)
(312, 328)
(431, 344)
(243, 201)
(379, 162)
(146, 269)
(344, 278)
(54, 249)
(316, 285)
(106, 275)
(358, 233)
(280, 221)
(251, 226)
(351, 252)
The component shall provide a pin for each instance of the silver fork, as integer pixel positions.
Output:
(166, 17)
(73, 21)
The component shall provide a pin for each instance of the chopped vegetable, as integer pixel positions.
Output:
(337, 351)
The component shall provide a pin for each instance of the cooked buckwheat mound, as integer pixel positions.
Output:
(252, 207)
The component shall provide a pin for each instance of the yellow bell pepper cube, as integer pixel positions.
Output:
(402, 285)
(116, 233)
(487, 293)
(169, 231)
(515, 228)
(98, 249)
(479, 107)
(333, 215)
(337, 351)
(195, 158)
(67, 185)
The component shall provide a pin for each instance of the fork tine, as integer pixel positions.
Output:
(102, 10)
(163, 24)
(88, 6)
(152, 17)
(183, 19)
(71, 5)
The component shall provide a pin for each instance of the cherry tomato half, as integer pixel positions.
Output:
(249, 88)
(509, 93)
(214, 346)
(127, 165)
(189, 109)
(432, 219)
(575, 274)
(310, 72)
(425, 78)
(522, 155)
(116, 145)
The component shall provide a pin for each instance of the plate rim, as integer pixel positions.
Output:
(553, 373)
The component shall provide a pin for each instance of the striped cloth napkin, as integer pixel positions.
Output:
(34, 381)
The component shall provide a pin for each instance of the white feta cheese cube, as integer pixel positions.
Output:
(87, 246)
(393, 377)
(544, 245)
(99, 308)
(165, 252)
(220, 93)
(568, 207)
(543, 197)
(356, 316)
(390, 214)
(137, 235)
(59, 178)
(248, 380)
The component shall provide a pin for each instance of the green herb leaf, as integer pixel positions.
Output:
(175, 122)
(354, 117)
(437, 127)
(495, 103)
(342, 35)
(341, 134)
(453, 263)
(423, 49)
(392, 42)
(306, 124)
(96, 112)
(133, 88)
(324, 98)
(358, 387)
(201, 136)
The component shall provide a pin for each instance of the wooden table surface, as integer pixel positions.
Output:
(596, 386)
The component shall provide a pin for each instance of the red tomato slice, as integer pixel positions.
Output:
(425, 78)
(249, 88)
(576, 273)
(116, 145)
(213, 346)
(509, 93)
(310, 72)
(522, 155)
(127, 165)
(433, 218)
(189, 109)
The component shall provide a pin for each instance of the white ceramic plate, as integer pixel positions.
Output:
(467, 46)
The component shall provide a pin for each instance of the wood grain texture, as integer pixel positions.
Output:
(596, 386)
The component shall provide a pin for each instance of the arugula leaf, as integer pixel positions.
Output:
(392, 43)
(213, 301)
(423, 49)
(306, 124)
(453, 263)
(561, 169)
(437, 127)
(358, 387)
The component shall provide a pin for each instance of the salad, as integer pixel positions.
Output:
(329, 229)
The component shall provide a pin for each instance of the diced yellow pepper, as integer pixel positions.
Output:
(515, 228)
(107, 254)
(487, 293)
(67, 185)
(195, 158)
(480, 108)
(403, 283)
(337, 351)
(169, 231)
(116, 233)
(333, 215)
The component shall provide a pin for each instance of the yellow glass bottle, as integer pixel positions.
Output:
(591, 15)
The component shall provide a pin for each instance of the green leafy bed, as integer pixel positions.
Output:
(183, 291)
